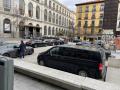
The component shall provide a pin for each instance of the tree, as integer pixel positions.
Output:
(60, 33)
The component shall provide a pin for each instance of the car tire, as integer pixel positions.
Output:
(83, 73)
(41, 62)
(6, 55)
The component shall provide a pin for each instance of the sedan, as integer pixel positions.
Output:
(36, 43)
(12, 50)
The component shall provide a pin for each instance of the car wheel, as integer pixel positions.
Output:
(41, 62)
(6, 54)
(82, 73)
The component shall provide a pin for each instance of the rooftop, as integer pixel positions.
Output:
(90, 2)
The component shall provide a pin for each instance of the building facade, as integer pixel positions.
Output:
(118, 21)
(34, 18)
(111, 18)
(89, 19)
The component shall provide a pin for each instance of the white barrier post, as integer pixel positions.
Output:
(6, 73)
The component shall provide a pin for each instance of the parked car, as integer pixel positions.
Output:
(12, 50)
(84, 61)
(53, 41)
(36, 43)
(84, 43)
(76, 41)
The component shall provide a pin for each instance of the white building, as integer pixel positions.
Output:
(20, 18)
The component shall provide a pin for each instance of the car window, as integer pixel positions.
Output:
(89, 55)
(54, 50)
(67, 52)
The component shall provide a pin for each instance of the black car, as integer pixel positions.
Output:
(12, 50)
(84, 61)
(36, 43)
(52, 42)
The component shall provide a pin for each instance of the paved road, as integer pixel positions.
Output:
(33, 58)
(22, 82)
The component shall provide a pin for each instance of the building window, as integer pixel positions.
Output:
(85, 31)
(119, 25)
(101, 16)
(30, 9)
(21, 7)
(102, 7)
(7, 5)
(93, 15)
(94, 8)
(65, 21)
(100, 23)
(37, 12)
(45, 30)
(57, 8)
(62, 21)
(56, 30)
(86, 24)
(87, 9)
(49, 4)
(60, 10)
(79, 23)
(7, 26)
(49, 31)
(53, 17)
(53, 6)
(93, 23)
(56, 18)
(45, 15)
(59, 20)
(45, 2)
(86, 16)
(53, 31)
(50, 14)
(80, 9)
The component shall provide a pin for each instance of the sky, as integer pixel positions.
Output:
(71, 3)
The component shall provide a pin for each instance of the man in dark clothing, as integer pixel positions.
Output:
(22, 49)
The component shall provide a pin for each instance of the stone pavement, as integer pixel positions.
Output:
(60, 78)
(22, 82)
(113, 71)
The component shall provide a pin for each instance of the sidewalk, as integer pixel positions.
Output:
(113, 71)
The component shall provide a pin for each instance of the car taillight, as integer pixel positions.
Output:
(100, 67)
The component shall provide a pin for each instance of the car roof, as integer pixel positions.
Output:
(87, 48)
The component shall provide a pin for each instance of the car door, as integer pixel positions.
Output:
(51, 57)
(15, 50)
(67, 60)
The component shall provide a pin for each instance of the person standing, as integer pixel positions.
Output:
(22, 49)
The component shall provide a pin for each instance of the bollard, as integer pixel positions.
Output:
(6, 73)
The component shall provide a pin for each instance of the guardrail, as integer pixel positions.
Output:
(62, 79)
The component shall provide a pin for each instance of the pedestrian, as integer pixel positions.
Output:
(22, 49)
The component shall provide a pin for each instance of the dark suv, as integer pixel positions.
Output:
(81, 60)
